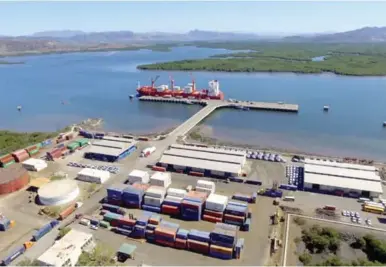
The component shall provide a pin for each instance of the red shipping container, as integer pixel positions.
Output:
(165, 232)
(116, 202)
(211, 219)
(152, 221)
(65, 213)
(212, 213)
(171, 210)
(198, 246)
(126, 221)
(165, 243)
(18, 152)
(198, 174)
(158, 169)
(180, 171)
(31, 148)
(69, 136)
(114, 223)
(198, 194)
(180, 243)
(21, 157)
(234, 218)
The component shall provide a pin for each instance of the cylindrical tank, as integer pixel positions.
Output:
(13, 178)
(58, 192)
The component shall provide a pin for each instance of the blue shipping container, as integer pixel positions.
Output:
(5, 223)
(151, 208)
(54, 223)
(182, 233)
(225, 226)
(199, 235)
(41, 232)
(222, 256)
(16, 253)
(233, 222)
(123, 231)
(169, 225)
(245, 227)
(235, 203)
(151, 226)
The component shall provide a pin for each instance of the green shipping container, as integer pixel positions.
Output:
(104, 224)
(33, 152)
(39, 146)
(73, 146)
(111, 216)
(82, 141)
(8, 164)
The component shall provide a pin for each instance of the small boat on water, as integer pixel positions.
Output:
(131, 96)
(384, 124)
(326, 108)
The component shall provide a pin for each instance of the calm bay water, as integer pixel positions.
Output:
(98, 85)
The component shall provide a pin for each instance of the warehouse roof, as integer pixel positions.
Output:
(201, 164)
(108, 151)
(209, 149)
(94, 173)
(127, 249)
(240, 159)
(110, 144)
(340, 165)
(64, 247)
(335, 181)
(341, 172)
(117, 139)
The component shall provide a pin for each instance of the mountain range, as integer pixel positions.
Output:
(69, 40)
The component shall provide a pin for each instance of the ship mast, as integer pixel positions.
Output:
(171, 83)
(193, 83)
(153, 81)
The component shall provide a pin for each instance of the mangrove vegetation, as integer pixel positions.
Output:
(342, 59)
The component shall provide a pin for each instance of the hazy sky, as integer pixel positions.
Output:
(288, 17)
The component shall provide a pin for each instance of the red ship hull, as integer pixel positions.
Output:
(202, 94)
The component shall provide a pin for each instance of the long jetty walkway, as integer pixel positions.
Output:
(212, 105)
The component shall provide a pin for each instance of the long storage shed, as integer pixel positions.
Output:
(206, 155)
(106, 150)
(340, 165)
(210, 150)
(341, 172)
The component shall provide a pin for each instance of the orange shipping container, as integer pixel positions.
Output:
(165, 232)
(65, 213)
(197, 246)
(234, 218)
(212, 213)
(165, 243)
(180, 243)
(211, 219)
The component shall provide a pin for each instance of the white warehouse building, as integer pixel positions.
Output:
(66, 251)
(211, 161)
(349, 179)
(93, 176)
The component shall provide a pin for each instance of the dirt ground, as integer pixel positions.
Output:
(345, 252)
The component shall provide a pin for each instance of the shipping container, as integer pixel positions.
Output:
(245, 227)
(170, 210)
(180, 243)
(216, 214)
(182, 233)
(41, 232)
(54, 223)
(66, 212)
(104, 224)
(110, 216)
(221, 252)
(197, 246)
(197, 235)
(14, 254)
(110, 207)
(151, 208)
(211, 219)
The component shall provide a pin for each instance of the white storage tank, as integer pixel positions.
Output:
(156, 191)
(93, 176)
(175, 192)
(163, 179)
(138, 176)
(216, 202)
(58, 192)
(34, 164)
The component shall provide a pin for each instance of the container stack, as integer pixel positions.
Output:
(236, 213)
(6, 161)
(181, 238)
(20, 155)
(112, 218)
(32, 150)
(165, 233)
(172, 203)
(113, 208)
(123, 223)
(85, 134)
(223, 239)
(192, 206)
(5, 223)
(114, 194)
(55, 153)
(214, 208)
(41, 232)
(198, 241)
(162, 179)
(154, 196)
(69, 136)
(32, 164)
(249, 198)
(205, 186)
(139, 230)
(82, 142)
(46, 143)
(138, 176)
(132, 197)
(153, 222)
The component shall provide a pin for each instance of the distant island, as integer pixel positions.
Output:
(3, 62)
(342, 59)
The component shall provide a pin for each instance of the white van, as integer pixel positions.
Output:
(289, 198)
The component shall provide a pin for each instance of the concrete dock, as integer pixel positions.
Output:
(211, 105)
(223, 103)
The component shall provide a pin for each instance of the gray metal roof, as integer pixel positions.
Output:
(206, 164)
(341, 172)
(117, 139)
(340, 164)
(209, 149)
(341, 182)
(239, 159)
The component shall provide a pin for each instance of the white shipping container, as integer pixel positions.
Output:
(138, 176)
(84, 222)
(94, 176)
(173, 198)
(149, 150)
(216, 202)
(206, 184)
(175, 192)
(152, 201)
(163, 179)
(205, 190)
(156, 191)
(33, 164)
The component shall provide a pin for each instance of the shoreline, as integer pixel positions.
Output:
(264, 72)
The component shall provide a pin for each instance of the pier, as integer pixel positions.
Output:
(211, 105)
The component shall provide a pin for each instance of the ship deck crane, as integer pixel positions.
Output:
(193, 83)
(154, 80)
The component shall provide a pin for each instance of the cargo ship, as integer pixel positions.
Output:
(189, 91)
